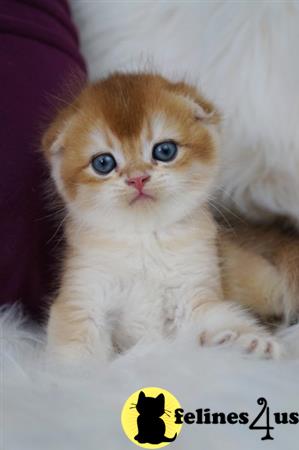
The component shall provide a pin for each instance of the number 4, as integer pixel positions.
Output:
(265, 409)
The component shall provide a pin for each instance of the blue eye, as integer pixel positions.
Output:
(103, 164)
(165, 151)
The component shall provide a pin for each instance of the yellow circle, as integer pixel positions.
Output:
(149, 416)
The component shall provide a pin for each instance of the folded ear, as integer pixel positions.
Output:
(203, 110)
(52, 140)
(199, 111)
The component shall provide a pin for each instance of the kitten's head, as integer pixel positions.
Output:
(134, 152)
(151, 406)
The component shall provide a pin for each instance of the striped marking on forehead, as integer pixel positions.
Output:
(123, 104)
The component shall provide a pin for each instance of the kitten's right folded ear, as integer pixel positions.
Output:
(52, 140)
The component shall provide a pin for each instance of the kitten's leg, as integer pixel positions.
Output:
(223, 322)
(268, 289)
(77, 330)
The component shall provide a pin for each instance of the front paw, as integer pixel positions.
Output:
(258, 344)
(261, 346)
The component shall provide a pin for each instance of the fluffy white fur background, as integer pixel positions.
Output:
(245, 57)
(46, 408)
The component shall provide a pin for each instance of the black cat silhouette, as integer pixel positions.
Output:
(151, 427)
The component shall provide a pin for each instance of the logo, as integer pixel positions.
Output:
(148, 417)
(152, 418)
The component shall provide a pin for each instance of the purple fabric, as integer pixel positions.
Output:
(38, 54)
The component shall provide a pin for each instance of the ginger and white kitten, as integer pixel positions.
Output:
(134, 158)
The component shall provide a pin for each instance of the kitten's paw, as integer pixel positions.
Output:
(261, 346)
(223, 337)
(257, 344)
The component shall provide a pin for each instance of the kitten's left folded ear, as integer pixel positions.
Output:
(209, 116)
(203, 110)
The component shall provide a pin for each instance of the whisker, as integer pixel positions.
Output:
(234, 214)
(58, 229)
(221, 214)
(56, 213)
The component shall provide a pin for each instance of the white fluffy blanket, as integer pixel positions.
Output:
(47, 408)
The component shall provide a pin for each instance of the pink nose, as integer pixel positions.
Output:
(138, 182)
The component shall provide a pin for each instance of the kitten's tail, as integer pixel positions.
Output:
(166, 439)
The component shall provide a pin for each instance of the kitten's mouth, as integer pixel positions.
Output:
(141, 196)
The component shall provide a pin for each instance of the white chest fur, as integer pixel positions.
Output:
(119, 289)
(144, 284)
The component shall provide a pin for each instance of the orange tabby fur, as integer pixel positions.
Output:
(260, 268)
(148, 268)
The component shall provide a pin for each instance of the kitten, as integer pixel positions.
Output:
(134, 158)
(151, 427)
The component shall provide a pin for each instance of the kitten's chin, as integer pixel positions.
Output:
(146, 214)
(142, 198)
